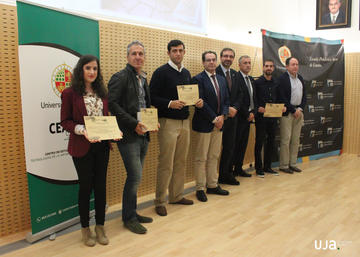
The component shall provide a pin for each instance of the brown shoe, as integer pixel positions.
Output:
(86, 237)
(100, 235)
(161, 210)
(184, 201)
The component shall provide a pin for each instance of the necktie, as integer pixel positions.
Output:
(217, 92)
(333, 19)
(228, 78)
(248, 84)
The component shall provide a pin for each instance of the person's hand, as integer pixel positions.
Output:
(261, 109)
(297, 114)
(140, 128)
(177, 104)
(232, 112)
(199, 103)
(121, 136)
(284, 109)
(158, 127)
(219, 122)
(251, 117)
(90, 140)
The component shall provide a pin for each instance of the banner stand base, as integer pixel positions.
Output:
(31, 238)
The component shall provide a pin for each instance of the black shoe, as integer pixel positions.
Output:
(271, 171)
(229, 181)
(286, 170)
(296, 169)
(217, 191)
(135, 227)
(161, 210)
(143, 219)
(201, 196)
(241, 173)
(260, 174)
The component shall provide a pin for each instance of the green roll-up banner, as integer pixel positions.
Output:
(50, 44)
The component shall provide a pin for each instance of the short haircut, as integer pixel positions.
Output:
(207, 52)
(287, 61)
(135, 42)
(226, 49)
(268, 60)
(243, 57)
(339, 1)
(173, 43)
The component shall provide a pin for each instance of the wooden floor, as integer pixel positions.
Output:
(275, 216)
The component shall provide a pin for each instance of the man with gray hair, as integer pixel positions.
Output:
(246, 114)
(128, 93)
(335, 14)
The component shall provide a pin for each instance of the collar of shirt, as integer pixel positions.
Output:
(209, 74)
(224, 69)
(291, 76)
(175, 67)
(244, 75)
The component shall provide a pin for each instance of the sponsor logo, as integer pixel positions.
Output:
(322, 144)
(331, 131)
(333, 107)
(309, 122)
(324, 119)
(61, 78)
(315, 133)
(308, 97)
(315, 83)
(330, 244)
(284, 53)
(322, 95)
(331, 83)
(313, 108)
(303, 147)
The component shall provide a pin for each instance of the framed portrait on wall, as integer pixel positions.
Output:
(333, 14)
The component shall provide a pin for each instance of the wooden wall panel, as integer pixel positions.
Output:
(14, 203)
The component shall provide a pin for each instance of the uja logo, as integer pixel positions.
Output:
(327, 245)
(61, 78)
(284, 53)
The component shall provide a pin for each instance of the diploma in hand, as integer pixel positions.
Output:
(149, 117)
(188, 93)
(273, 110)
(102, 127)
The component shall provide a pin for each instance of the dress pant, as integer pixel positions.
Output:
(91, 170)
(133, 155)
(228, 146)
(265, 133)
(174, 141)
(207, 152)
(290, 129)
(241, 141)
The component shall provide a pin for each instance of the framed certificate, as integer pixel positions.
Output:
(102, 127)
(149, 117)
(273, 110)
(188, 93)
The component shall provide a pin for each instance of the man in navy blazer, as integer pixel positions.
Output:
(291, 92)
(207, 124)
(227, 56)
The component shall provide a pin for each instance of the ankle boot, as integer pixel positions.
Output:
(86, 237)
(100, 235)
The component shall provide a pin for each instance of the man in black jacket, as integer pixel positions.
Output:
(246, 114)
(128, 93)
(226, 176)
(292, 94)
(266, 92)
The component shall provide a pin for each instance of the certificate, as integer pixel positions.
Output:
(188, 93)
(273, 110)
(149, 117)
(102, 127)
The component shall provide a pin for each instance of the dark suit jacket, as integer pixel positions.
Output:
(124, 102)
(326, 19)
(235, 92)
(73, 111)
(284, 93)
(203, 117)
(244, 112)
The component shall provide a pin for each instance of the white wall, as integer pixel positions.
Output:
(233, 19)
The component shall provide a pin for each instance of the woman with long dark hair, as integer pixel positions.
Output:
(87, 96)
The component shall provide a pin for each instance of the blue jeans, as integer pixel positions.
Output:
(133, 155)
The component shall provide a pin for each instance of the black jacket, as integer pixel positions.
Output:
(124, 102)
(244, 112)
